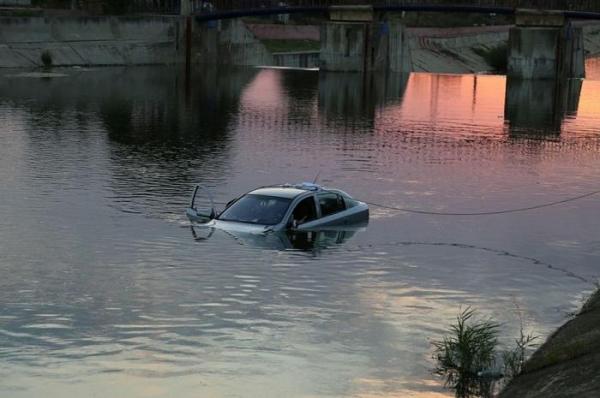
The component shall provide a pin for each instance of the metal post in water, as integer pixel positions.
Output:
(186, 11)
(188, 46)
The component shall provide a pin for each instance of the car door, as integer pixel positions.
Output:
(304, 212)
(331, 207)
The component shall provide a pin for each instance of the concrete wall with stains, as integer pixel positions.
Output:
(70, 41)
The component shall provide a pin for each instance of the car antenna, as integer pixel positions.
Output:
(316, 177)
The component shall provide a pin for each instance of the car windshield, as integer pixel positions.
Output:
(256, 209)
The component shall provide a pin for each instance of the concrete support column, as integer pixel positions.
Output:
(185, 8)
(345, 39)
(399, 59)
(354, 40)
(186, 11)
(544, 45)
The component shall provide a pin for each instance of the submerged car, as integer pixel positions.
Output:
(312, 241)
(301, 207)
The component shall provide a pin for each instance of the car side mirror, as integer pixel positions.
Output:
(206, 213)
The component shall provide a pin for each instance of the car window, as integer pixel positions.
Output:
(305, 211)
(330, 203)
(257, 209)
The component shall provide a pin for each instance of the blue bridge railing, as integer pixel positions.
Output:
(221, 6)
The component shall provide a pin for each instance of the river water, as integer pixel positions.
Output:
(105, 290)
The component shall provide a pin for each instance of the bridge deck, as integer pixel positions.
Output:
(572, 5)
(250, 6)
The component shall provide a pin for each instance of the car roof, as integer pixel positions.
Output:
(289, 191)
(280, 192)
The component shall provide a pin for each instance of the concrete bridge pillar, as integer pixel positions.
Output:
(540, 105)
(355, 40)
(185, 8)
(545, 45)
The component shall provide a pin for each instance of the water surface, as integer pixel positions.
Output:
(104, 286)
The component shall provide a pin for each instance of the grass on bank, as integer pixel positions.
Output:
(453, 19)
(282, 46)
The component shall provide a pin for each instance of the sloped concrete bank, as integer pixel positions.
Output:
(70, 41)
(459, 50)
(567, 364)
(228, 42)
(454, 50)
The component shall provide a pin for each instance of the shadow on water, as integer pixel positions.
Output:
(540, 106)
(150, 108)
(158, 137)
(300, 87)
(161, 130)
(348, 97)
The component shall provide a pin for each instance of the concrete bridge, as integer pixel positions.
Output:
(408, 5)
(544, 44)
(356, 38)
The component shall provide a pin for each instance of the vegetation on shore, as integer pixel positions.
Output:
(470, 360)
(465, 352)
(453, 19)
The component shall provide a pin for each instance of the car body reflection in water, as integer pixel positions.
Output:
(312, 241)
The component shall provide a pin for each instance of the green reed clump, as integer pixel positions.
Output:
(469, 360)
(468, 350)
(514, 359)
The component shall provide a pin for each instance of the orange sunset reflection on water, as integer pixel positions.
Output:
(441, 103)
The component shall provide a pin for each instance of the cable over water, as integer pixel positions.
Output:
(485, 213)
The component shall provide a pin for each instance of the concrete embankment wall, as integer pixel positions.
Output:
(567, 364)
(591, 38)
(89, 41)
